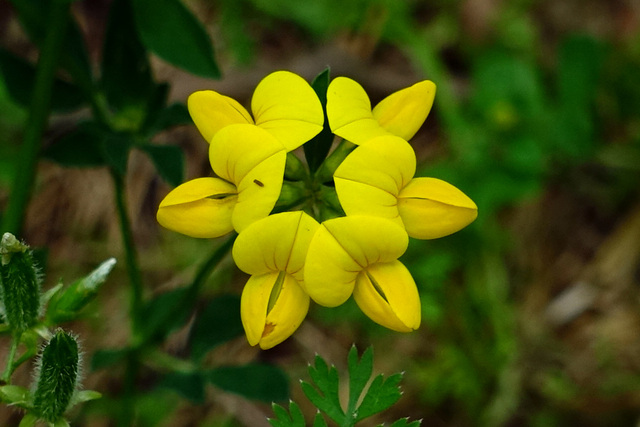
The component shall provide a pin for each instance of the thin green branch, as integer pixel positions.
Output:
(133, 269)
(37, 118)
(9, 368)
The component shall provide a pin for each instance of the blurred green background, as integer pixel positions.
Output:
(531, 315)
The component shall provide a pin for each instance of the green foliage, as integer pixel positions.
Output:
(323, 393)
(254, 381)
(169, 30)
(19, 76)
(66, 305)
(215, 324)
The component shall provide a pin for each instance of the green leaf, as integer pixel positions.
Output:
(168, 117)
(164, 313)
(253, 381)
(218, 322)
(404, 422)
(316, 150)
(86, 395)
(80, 148)
(293, 418)
(359, 374)
(382, 394)
(15, 395)
(68, 303)
(319, 421)
(168, 160)
(115, 149)
(19, 77)
(171, 31)
(187, 385)
(108, 357)
(126, 72)
(325, 397)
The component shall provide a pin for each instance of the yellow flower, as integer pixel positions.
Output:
(377, 179)
(250, 165)
(273, 252)
(283, 104)
(359, 255)
(401, 113)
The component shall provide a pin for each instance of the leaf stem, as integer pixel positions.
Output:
(133, 269)
(37, 119)
(8, 370)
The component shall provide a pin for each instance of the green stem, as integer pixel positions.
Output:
(209, 265)
(37, 119)
(133, 269)
(8, 370)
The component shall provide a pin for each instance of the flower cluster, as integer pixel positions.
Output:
(316, 233)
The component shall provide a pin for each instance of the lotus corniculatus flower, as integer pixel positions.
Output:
(401, 113)
(359, 255)
(273, 252)
(377, 179)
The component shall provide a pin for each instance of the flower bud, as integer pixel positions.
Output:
(57, 377)
(20, 284)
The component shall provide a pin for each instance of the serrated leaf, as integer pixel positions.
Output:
(297, 417)
(19, 76)
(323, 403)
(316, 150)
(325, 395)
(126, 72)
(381, 395)
(187, 385)
(254, 381)
(15, 395)
(218, 322)
(359, 374)
(80, 148)
(404, 422)
(319, 421)
(171, 31)
(168, 160)
(282, 418)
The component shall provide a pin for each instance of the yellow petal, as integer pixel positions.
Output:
(287, 107)
(432, 208)
(276, 243)
(211, 112)
(403, 112)
(349, 112)
(259, 190)
(270, 327)
(237, 149)
(199, 208)
(341, 248)
(387, 293)
(371, 177)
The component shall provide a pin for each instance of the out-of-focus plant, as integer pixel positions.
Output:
(128, 107)
(28, 315)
